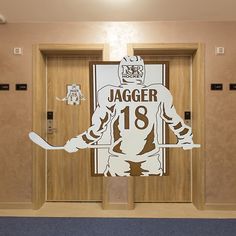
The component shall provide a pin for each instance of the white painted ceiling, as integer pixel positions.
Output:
(117, 10)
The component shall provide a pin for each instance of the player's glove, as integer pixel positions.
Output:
(186, 144)
(74, 144)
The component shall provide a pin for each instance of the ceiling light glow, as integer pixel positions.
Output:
(118, 35)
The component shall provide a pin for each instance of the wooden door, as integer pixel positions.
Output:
(176, 185)
(69, 175)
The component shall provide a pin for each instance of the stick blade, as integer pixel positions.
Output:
(41, 142)
(38, 140)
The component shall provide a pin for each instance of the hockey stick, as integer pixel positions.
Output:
(177, 145)
(45, 145)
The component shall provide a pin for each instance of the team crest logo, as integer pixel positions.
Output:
(132, 71)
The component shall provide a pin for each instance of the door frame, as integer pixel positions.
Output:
(197, 52)
(40, 52)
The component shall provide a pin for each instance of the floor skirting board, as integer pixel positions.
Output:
(15, 205)
(141, 210)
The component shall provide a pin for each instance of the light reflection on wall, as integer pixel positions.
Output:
(118, 35)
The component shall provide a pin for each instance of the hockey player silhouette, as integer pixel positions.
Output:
(132, 109)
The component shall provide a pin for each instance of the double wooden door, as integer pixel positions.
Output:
(69, 175)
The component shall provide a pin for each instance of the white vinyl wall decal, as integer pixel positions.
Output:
(73, 96)
(128, 121)
(104, 74)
